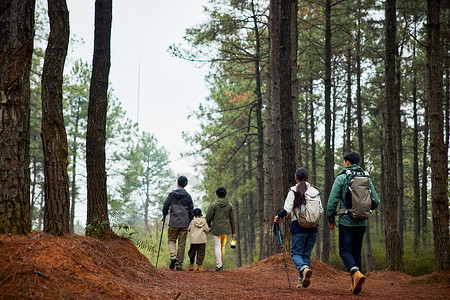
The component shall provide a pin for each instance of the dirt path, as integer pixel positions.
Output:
(40, 266)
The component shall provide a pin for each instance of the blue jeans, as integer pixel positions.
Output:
(301, 247)
(350, 244)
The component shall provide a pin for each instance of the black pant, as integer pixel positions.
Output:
(350, 243)
(200, 249)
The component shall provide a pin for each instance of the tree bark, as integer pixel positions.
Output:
(74, 171)
(394, 259)
(348, 131)
(259, 120)
(97, 208)
(295, 105)
(273, 197)
(329, 169)
(437, 151)
(54, 137)
(287, 120)
(424, 191)
(416, 152)
(16, 44)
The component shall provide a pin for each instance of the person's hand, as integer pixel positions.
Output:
(276, 219)
(331, 226)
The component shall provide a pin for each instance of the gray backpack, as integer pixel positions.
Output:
(358, 198)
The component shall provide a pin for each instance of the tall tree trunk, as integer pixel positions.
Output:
(237, 217)
(358, 89)
(438, 155)
(259, 121)
(286, 114)
(74, 171)
(97, 199)
(399, 142)
(295, 105)
(329, 169)
(313, 174)
(33, 190)
(251, 209)
(416, 183)
(394, 259)
(54, 138)
(348, 131)
(424, 191)
(16, 44)
(273, 199)
(447, 115)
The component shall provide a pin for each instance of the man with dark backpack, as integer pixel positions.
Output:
(354, 192)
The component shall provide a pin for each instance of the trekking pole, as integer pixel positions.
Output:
(160, 240)
(276, 227)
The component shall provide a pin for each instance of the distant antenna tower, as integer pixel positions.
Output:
(139, 87)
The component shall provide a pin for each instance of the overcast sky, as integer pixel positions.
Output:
(170, 88)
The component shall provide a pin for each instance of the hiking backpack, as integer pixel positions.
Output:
(309, 218)
(358, 198)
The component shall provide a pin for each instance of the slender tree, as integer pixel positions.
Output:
(54, 137)
(394, 259)
(97, 208)
(438, 154)
(287, 119)
(329, 168)
(16, 49)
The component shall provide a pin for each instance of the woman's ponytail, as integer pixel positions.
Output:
(301, 174)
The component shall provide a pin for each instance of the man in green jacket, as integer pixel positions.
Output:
(351, 230)
(220, 219)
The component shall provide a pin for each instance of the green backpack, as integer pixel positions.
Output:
(358, 198)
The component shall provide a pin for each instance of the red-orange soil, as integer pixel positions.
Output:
(42, 266)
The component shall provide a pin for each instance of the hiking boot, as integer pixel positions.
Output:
(173, 261)
(219, 268)
(191, 267)
(199, 267)
(358, 280)
(307, 272)
(179, 268)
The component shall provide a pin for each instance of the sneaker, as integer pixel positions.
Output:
(300, 283)
(307, 272)
(358, 280)
(219, 268)
(173, 261)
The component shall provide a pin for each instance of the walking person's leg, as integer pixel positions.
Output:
(357, 245)
(191, 254)
(345, 246)
(172, 235)
(223, 242)
(201, 251)
(217, 252)
(296, 255)
(182, 235)
(357, 276)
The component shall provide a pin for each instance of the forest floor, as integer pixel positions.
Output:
(42, 266)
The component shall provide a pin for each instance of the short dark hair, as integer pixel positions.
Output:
(221, 192)
(198, 212)
(182, 181)
(352, 158)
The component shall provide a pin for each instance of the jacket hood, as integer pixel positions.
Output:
(179, 193)
(355, 168)
(222, 202)
(199, 222)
